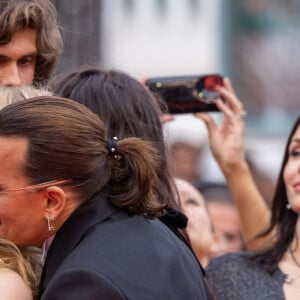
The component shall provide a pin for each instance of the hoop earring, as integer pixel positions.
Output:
(50, 221)
(288, 206)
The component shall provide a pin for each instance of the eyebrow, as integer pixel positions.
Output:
(295, 140)
(31, 54)
(191, 200)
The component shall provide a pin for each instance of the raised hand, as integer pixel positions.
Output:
(227, 138)
(227, 145)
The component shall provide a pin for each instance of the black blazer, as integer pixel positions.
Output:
(103, 253)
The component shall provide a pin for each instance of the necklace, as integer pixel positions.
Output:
(288, 278)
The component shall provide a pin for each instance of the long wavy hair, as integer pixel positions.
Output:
(283, 220)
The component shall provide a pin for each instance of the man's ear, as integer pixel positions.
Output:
(56, 201)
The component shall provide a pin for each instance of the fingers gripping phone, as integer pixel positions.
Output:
(188, 94)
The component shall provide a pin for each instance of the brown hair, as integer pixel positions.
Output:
(68, 141)
(12, 258)
(38, 15)
(126, 107)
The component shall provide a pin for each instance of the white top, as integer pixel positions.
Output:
(12, 286)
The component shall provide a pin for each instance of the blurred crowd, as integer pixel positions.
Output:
(106, 195)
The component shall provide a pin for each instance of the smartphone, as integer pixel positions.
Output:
(188, 94)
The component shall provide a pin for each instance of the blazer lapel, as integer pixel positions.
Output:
(69, 235)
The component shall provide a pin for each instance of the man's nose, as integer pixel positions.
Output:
(10, 75)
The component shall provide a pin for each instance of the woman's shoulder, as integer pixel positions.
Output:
(236, 264)
(12, 286)
(230, 260)
(234, 276)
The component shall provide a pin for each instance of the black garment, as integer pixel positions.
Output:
(101, 252)
(175, 220)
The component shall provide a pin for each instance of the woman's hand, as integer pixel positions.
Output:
(227, 139)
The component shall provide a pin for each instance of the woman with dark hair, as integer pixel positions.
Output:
(91, 200)
(125, 106)
(128, 109)
(273, 272)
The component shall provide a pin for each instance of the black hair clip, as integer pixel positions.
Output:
(112, 147)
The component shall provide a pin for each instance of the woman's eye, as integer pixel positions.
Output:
(191, 201)
(2, 189)
(295, 153)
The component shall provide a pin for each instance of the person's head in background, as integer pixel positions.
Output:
(125, 105)
(18, 277)
(186, 140)
(224, 214)
(205, 243)
(30, 42)
(10, 95)
(28, 132)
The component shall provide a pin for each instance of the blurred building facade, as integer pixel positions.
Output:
(81, 26)
(265, 65)
(255, 42)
